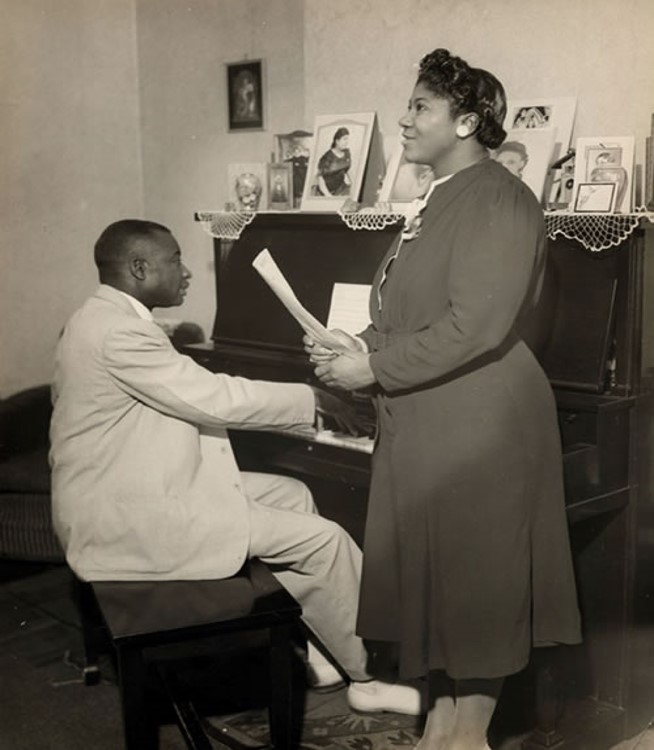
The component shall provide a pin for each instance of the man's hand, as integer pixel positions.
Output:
(342, 412)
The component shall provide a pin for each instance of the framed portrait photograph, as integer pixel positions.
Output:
(245, 95)
(607, 160)
(404, 181)
(539, 113)
(247, 184)
(595, 197)
(527, 154)
(337, 161)
(294, 149)
(280, 186)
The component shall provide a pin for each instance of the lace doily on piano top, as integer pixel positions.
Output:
(224, 225)
(595, 231)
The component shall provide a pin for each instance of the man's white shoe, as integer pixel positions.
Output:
(376, 696)
(322, 675)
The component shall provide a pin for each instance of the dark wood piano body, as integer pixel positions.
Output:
(589, 341)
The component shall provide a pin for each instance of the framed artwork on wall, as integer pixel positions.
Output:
(337, 161)
(245, 95)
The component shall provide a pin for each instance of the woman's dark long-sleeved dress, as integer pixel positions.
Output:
(466, 558)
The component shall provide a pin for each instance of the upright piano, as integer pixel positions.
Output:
(591, 339)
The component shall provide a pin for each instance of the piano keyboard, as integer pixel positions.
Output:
(363, 443)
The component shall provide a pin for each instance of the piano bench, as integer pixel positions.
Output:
(153, 625)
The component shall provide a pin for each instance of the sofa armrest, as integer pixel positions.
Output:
(25, 420)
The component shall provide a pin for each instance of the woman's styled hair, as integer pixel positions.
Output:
(468, 90)
(338, 135)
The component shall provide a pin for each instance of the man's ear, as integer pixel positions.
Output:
(137, 267)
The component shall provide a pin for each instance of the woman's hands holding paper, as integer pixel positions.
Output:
(348, 369)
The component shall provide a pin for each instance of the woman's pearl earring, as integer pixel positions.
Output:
(462, 131)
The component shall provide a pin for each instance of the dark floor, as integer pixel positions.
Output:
(44, 704)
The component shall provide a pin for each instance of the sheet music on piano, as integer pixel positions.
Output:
(349, 307)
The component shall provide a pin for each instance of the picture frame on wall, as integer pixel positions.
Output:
(607, 159)
(338, 159)
(595, 197)
(245, 95)
(280, 186)
(404, 181)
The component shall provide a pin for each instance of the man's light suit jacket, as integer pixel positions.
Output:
(144, 481)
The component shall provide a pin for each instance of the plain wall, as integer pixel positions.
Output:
(362, 55)
(118, 107)
(183, 50)
(69, 164)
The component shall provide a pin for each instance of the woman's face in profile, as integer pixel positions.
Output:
(428, 129)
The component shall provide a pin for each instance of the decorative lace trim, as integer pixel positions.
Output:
(595, 232)
(225, 225)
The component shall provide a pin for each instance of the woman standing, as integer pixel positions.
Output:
(467, 562)
(334, 166)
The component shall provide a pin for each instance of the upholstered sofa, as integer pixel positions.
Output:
(25, 515)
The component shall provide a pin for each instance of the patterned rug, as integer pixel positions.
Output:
(340, 732)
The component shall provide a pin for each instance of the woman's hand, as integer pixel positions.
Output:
(319, 354)
(350, 371)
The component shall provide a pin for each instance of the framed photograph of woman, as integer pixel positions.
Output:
(404, 181)
(245, 95)
(337, 161)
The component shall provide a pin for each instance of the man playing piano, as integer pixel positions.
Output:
(144, 482)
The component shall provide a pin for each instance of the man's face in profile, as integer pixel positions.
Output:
(167, 278)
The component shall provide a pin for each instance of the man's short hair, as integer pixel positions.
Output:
(116, 239)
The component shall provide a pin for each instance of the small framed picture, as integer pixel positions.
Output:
(595, 197)
(294, 149)
(280, 186)
(601, 160)
(245, 95)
